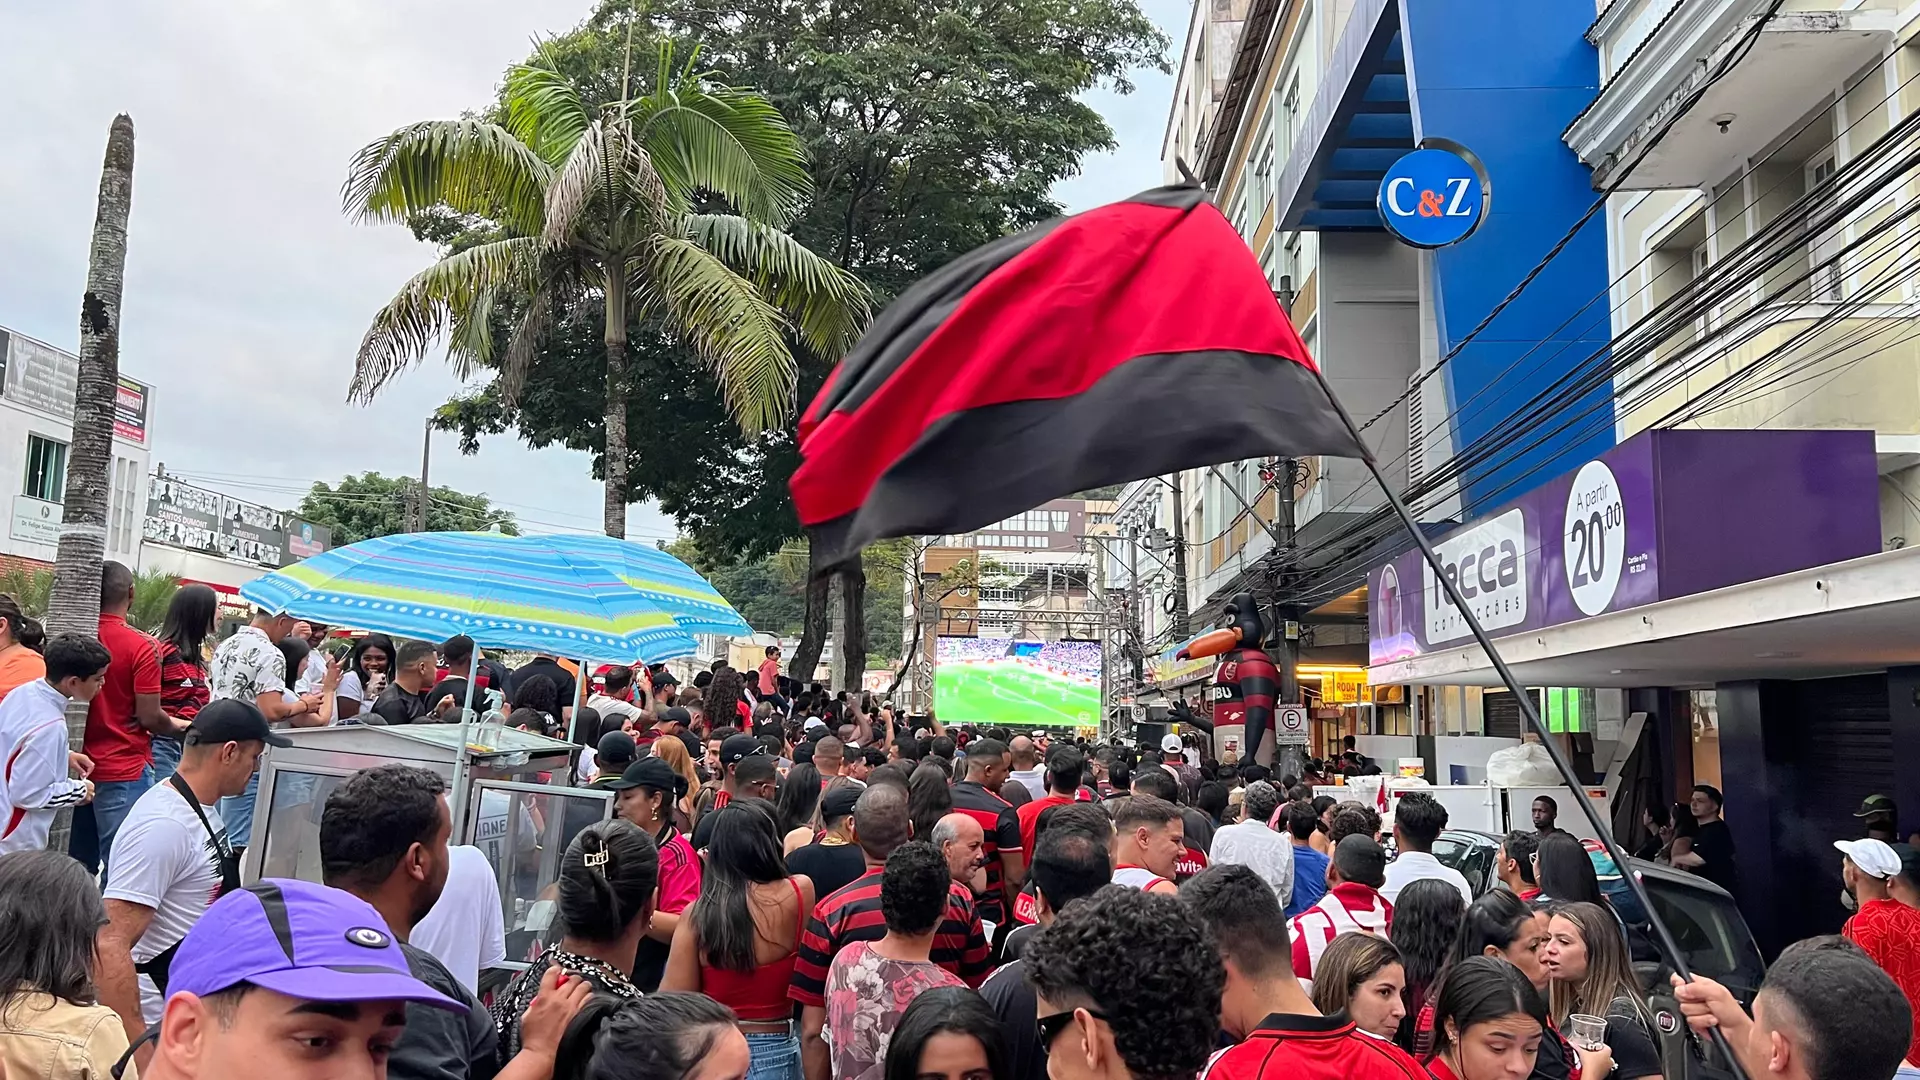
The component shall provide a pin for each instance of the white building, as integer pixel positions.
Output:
(36, 435)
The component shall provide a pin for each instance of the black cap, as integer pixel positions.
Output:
(1875, 804)
(675, 715)
(650, 772)
(232, 720)
(738, 747)
(662, 677)
(838, 801)
(616, 748)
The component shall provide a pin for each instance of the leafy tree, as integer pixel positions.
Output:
(598, 196)
(930, 129)
(374, 505)
(152, 591)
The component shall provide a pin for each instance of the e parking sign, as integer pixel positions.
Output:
(1432, 197)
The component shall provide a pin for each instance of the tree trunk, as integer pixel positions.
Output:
(813, 630)
(75, 603)
(614, 463)
(851, 649)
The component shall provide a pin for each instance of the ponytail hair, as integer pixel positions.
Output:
(607, 880)
(658, 1037)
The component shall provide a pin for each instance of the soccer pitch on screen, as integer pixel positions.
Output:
(1000, 681)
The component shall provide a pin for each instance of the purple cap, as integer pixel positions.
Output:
(303, 940)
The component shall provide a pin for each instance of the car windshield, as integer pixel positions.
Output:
(1710, 933)
(1473, 860)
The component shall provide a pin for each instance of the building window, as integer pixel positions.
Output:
(46, 469)
(1825, 255)
(1059, 520)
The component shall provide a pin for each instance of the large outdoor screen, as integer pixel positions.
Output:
(989, 681)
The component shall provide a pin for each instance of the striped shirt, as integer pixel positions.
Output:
(1346, 907)
(1002, 828)
(183, 684)
(853, 914)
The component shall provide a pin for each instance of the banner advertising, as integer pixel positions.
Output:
(1665, 514)
(42, 377)
(182, 515)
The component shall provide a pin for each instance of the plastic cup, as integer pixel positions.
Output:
(1587, 1032)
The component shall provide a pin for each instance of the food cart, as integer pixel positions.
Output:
(521, 812)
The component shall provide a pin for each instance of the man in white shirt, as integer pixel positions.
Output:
(1026, 766)
(466, 930)
(1417, 821)
(33, 740)
(1252, 844)
(616, 701)
(171, 859)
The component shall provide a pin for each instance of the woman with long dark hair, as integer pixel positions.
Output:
(929, 798)
(20, 662)
(666, 1036)
(646, 795)
(1490, 1022)
(1362, 975)
(738, 942)
(536, 705)
(607, 881)
(183, 666)
(1565, 873)
(1426, 922)
(369, 669)
(1504, 927)
(948, 1033)
(797, 805)
(726, 700)
(1592, 975)
(51, 1023)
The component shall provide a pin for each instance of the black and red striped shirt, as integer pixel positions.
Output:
(853, 914)
(183, 684)
(1002, 828)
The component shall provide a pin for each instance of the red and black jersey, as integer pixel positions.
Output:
(1289, 1047)
(853, 914)
(1002, 826)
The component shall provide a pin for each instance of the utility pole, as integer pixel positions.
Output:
(1179, 616)
(426, 452)
(1287, 759)
(1134, 632)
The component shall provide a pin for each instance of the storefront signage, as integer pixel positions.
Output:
(1343, 687)
(35, 521)
(1433, 197)
(1290, 725)
(1665, 514)
(1168, 672)
(42, 377)
(182, 515)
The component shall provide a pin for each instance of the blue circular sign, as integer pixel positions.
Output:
(1432, 197)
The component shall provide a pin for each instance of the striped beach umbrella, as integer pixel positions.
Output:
(671, 585)
(502, 591)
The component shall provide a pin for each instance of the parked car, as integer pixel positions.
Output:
(1705, 924)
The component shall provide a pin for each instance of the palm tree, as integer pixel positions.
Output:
(74, 603)
(607, 204)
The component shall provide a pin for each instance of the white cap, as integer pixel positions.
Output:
(1170, 743)
(815, 722)
(1874, 858)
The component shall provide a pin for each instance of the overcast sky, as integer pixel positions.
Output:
(247, 291)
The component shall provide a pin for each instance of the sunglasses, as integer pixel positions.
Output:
(1050, 1027)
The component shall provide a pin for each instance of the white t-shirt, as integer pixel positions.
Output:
(164, 860)
(1409, 867)
(466, 930)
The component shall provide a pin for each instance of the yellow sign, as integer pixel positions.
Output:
(1343, 687)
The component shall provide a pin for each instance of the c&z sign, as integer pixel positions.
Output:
(1433, 197)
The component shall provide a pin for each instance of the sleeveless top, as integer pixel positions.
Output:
(1135, 877)
(761, 994)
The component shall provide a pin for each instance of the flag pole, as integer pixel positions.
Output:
(1663, 937)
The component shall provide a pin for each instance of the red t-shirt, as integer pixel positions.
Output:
(769, 677)
(1288, 1047)
(1030, 812)
(1889, 931)
(119, 746)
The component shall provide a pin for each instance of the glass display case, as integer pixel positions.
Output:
(521, 812)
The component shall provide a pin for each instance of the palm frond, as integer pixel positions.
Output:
(735, 330)
(412, 321)
(582, 177)
(728, 141)
(544, 109)
(464, 165)
(828, 305)
(527, 335)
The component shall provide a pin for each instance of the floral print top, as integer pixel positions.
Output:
(866, 994)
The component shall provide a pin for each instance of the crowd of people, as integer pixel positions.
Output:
(802, 885)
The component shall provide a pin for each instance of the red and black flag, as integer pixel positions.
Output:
(1130, 341)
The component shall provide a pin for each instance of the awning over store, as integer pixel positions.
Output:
(1845, 618)
(1359, 124)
